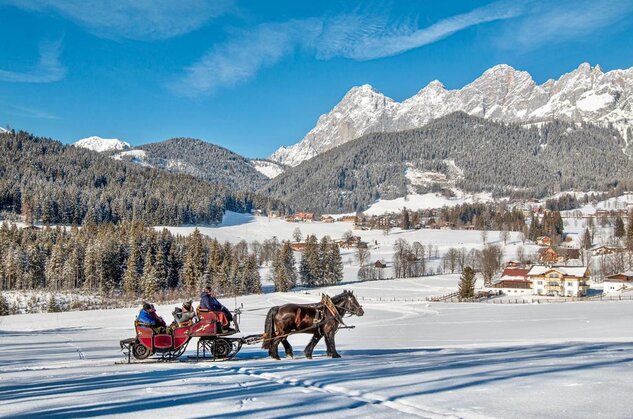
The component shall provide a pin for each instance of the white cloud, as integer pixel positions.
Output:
(360, 36)
(132, 19)
(551, 22)
(366, 38)
(240, 58)
(48, 69)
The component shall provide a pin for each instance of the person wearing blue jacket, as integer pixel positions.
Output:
(144, 317)
(209, 302)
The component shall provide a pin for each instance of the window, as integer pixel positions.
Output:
(539, 283)
(569, 284)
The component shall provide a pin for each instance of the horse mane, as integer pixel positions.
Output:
(340, 297)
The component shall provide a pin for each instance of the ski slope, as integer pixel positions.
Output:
(404, 359)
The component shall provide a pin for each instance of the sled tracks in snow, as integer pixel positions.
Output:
(338, 390)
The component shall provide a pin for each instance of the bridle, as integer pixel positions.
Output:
(347, 310)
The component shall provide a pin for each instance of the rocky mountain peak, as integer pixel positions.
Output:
(501, 93)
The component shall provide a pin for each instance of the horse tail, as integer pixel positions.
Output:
(269, 328)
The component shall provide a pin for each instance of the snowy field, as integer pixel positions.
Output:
(403, 359)
(236, 227)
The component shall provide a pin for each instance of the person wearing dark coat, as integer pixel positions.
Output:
(144, 317)
(209, 302)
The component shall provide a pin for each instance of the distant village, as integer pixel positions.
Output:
(565, 264)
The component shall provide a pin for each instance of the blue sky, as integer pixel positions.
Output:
(254, 75)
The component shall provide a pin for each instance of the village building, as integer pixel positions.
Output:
(301, 217)
(559, 281)
(298, 247)
(353, 241)
(606, 250)
(380, 265)
(327, 219)
(514, 280)
(618, 283)
(349, 219)
(544, 241)
(562, 254)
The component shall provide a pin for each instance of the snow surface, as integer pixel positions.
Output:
(404, 359)
(426, 201)
(100, 145)
(592, 102)
(267, 168)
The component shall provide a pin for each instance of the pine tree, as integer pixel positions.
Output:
(55, 267)
(193, 268)
(284, 268)
(629, 233)
(586, 239)
(467, 283)
(149, 275)
(335, 271)
(323, 272)
(53, 306)
(4, 306)
(131, 283)
(253, 283)
(618, 230)
(160, 269)
(406, 222)
(310, 263)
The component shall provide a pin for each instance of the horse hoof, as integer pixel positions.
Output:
(336, 356)
(290, 357)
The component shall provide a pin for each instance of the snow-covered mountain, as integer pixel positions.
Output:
(500, 93)
(3, 130)
(101, 145)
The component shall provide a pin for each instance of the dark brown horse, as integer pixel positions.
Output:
(300, 318)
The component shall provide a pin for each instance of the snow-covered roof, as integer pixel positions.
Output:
(578, 271)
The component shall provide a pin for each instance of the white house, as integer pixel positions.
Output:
(618, 283)
(559, 281)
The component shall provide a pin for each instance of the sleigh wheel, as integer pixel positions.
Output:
(222, 348)
(140, 352)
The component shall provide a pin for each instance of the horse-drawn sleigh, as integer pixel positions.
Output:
(322, 320)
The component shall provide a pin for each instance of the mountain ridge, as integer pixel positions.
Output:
(501, 93)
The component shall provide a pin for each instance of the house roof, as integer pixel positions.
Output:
(621, 277)
(514, 273)
(578, 271)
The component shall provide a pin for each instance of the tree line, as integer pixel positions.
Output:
(45, 181)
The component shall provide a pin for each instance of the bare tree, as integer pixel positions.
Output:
(484, 236)
(490, 263)
(363, 255)
(504, 235)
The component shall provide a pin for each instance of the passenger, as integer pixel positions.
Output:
(158, 320)
(186, 315)
(144, 317)
(209, 302)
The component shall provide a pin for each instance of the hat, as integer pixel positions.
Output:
(147, 306)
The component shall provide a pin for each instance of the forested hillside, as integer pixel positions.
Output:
(206, 161)
(473, 153)
(46, 181)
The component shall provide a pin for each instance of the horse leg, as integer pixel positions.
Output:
(313, 342)
(287, 348)
(274, 349)
(331, 345)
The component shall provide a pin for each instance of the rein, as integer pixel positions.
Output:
(348, 310)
